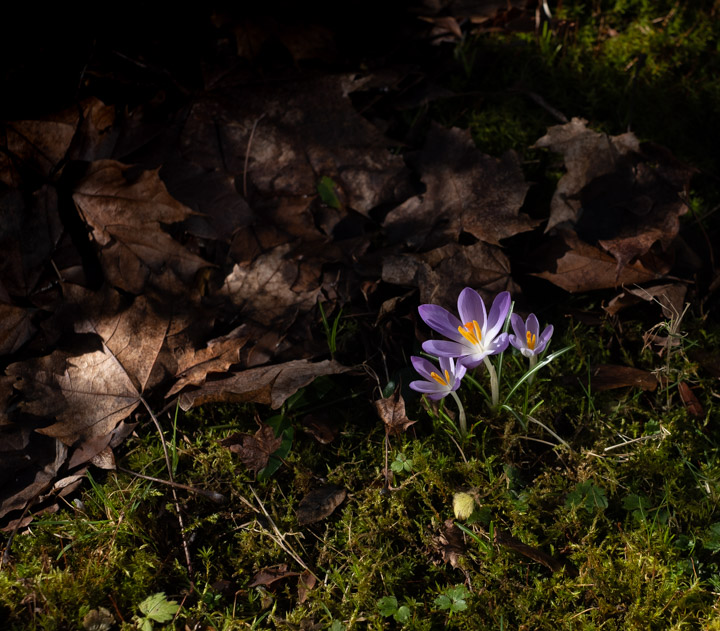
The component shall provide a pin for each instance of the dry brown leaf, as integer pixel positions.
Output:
(450, 543)
(618, 193)
(269, 575)
(554, 564)
(690, 401)
(16, 328)
(254, 449)
(270, 385)
(466, 191)
(304, 130)
(125, 209)
(392, 412)
(217, 356)
(578, 266)
(319, 504)
(443, 273)
(669, 296)
(608, 377)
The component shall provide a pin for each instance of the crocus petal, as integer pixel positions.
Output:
(544, 339)
(471, 307)
(533, 325)
(441, 320)
(499, 344)
(518, 327)
(443, 348)
(427, 387)
(498, 313)
(423, 366)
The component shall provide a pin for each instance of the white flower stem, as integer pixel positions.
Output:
(533, 363)
(461, 415)
(494, 386)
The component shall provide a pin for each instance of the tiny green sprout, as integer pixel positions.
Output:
(401, 464)
(388, 606)
(463, 505)
(587, 496)
(156, 608)
(453, 599)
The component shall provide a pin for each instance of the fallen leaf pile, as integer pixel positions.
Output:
(159, 251)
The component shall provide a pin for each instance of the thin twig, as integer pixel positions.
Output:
(186, 549)
(279, 538)
(219, 498)
(247, 153)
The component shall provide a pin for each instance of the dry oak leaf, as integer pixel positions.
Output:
(443, 273)
(579, 266)
(269, 385)
(254, 449)
(392, 412)
(466, 191)
(125, 209)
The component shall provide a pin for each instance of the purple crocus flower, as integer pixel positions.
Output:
(438, 383)
(528, 339)
(475, 335)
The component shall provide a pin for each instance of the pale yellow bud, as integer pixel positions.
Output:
(463, 505)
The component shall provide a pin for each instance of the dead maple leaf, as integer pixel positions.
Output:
(392, 412)
(254, 449)
(617, 193)
(270, 385)
(466, 191)
(578, 266)
(443, 273)
(609, 377)
(303, 130)
(319, 504)
(125, 210)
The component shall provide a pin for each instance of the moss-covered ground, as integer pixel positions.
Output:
(619, 487)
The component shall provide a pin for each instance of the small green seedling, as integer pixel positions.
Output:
(587, 496)
(453, 600)
(388, 606)
(156, 608)
(401, 464)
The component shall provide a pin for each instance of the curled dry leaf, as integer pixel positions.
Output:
(269, 575)
(392, 412)
(254, 449)
(319, 504)
(607, 377)
(690, 401)
(670, 297)
(449, 543)
(554, 564)
(270, 385)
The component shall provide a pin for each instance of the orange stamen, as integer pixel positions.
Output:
(440, 380)
(531, 339)
(471, 332)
